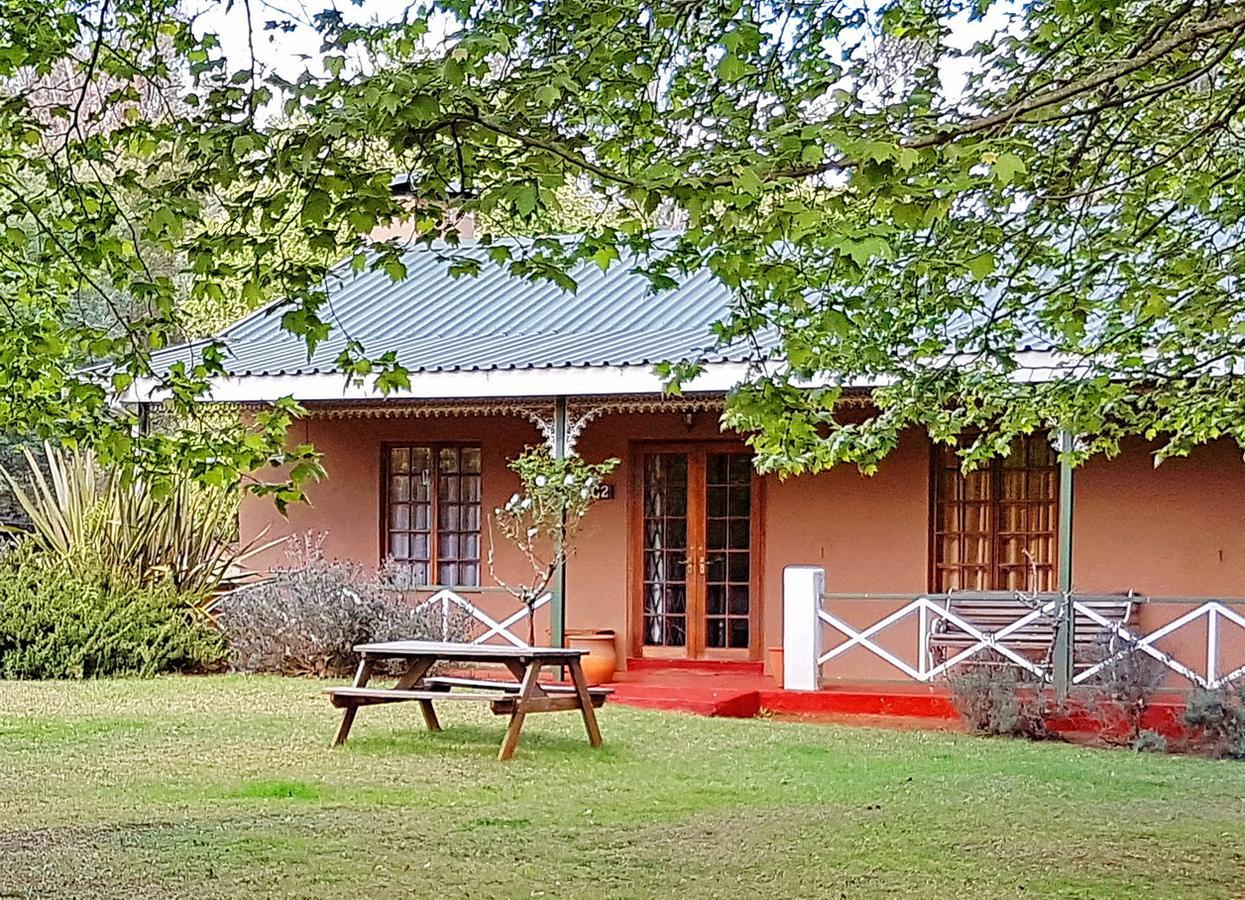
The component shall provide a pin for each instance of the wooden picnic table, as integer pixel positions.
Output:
(525, 694)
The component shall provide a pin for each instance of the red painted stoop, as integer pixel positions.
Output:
(740, 690)
(709, 688)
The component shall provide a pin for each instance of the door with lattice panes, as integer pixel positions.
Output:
(698, 553)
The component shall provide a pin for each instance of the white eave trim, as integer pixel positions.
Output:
(551, 382)
(1035, 366)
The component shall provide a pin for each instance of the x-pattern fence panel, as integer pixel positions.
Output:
(447, 600)
(1130, 642)
(927, 611)
(1123, 639)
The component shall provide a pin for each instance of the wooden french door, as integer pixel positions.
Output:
(698, 553)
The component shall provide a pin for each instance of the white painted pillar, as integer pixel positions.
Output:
(802, 587)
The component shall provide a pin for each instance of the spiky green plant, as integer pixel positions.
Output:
(113, 519)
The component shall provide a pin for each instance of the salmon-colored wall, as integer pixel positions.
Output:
(1176, 530)
(346, 506)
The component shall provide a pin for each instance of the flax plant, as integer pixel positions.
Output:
(113, 519)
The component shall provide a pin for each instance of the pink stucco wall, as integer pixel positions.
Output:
(1178, 529)
(345, 508)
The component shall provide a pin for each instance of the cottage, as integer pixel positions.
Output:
(685, 558)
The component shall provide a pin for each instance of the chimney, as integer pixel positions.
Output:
(452, 220)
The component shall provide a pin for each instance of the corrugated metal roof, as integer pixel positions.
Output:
(435, 322)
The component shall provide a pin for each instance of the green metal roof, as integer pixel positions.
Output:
(436, 322)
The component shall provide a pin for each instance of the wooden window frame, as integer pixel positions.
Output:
(996, 567)
(434, 449)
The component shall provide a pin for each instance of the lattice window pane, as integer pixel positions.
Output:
(400, 517)
(740, 533)
(450, 496)
(994, 528)
(728, 527)
(665, 549)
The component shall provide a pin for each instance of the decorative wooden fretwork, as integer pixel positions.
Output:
(540, 411)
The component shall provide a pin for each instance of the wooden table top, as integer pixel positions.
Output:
(456, 651)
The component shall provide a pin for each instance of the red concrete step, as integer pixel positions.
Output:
(861, 702)
(739, 689)
(694, 707)
(718, 666)
(738, 704)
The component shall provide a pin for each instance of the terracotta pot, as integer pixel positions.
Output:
(601, 662)
(775, 664)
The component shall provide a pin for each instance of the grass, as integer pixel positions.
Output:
(226, 787)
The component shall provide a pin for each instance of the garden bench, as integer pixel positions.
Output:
(516, 699)
(990, 612)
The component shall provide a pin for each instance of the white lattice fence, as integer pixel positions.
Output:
(495, 627)
(1204, 645)
(1219, 618)
(926, 611)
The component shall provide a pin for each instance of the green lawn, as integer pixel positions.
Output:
(226, 787)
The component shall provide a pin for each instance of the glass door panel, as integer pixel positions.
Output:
(728, 550)
(665, 549)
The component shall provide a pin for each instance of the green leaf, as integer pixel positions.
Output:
(394, 268)
(605, 256)
(525, 199)
(812, 154)
(732, 68)
(981, 265)
(864, 250)
(315, 208)
(1007, 167)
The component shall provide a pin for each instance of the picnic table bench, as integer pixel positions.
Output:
(516, 699)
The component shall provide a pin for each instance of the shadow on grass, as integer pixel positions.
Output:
(477, 741)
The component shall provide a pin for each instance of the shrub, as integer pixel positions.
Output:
(1217, 718)
(544, 518)
(1124, 688)
(59, 623)
(1148, 741)
(306, 619)
(995, 697)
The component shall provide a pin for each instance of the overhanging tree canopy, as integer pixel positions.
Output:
(911, 195)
